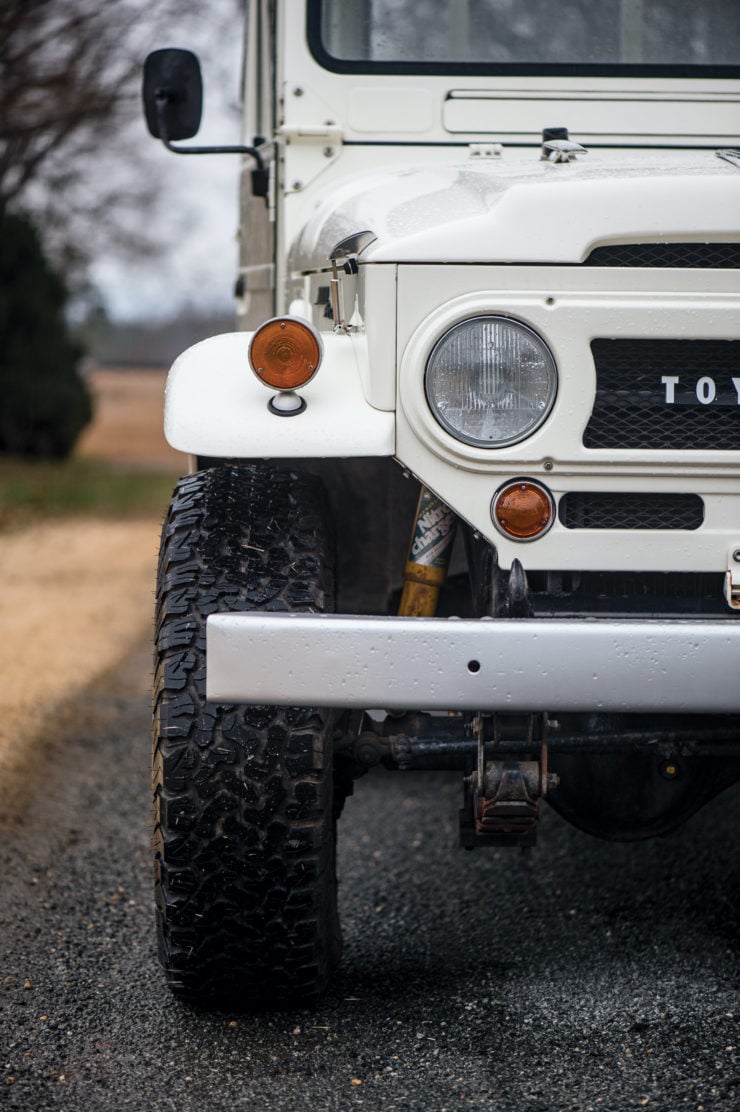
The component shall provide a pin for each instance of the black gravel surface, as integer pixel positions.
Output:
(585, 976)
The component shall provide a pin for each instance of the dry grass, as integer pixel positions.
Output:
(127, 429)
(78, 589)
(123, 466)
(39, 490)
(80, 596)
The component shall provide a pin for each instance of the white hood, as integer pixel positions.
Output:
(518, 209)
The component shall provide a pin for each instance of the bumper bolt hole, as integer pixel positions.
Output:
(474, 666)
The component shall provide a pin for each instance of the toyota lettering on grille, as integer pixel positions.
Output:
(665, 395)
(703, 391)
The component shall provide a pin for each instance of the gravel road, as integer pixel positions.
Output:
(586, 976)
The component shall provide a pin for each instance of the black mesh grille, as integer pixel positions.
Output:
(708, 256)
(605, 510)
(635, 409)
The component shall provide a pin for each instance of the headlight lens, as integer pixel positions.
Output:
(490, 381)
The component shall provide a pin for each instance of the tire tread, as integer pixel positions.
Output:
(245, 881)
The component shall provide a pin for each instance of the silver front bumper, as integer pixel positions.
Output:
(485, 664)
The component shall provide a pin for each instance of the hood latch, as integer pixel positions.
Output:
(557, 146)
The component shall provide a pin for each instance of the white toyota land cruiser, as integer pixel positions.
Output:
(464, 488)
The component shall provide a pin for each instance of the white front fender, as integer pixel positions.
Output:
(215, 405)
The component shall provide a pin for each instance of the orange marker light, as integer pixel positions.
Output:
(523, 510)
(285, 353)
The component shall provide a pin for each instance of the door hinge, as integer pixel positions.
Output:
(732, 578)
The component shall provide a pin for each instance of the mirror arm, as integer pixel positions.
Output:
(163, 98)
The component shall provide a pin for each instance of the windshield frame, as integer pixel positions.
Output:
(499, 69)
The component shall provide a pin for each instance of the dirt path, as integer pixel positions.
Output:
(78, 596)
(78, 593)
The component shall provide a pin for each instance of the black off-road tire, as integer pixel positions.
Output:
(244, 822)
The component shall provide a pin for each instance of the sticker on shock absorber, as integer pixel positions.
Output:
(434, 532)
(429, 555)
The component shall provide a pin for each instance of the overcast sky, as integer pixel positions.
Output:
(199, 214)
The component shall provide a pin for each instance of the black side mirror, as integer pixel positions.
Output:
(173, 104)
(173, 94)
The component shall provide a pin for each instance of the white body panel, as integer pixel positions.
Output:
(327, 119)
(569, 307)
(215, 406)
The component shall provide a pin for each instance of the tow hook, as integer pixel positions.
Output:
(501, 797)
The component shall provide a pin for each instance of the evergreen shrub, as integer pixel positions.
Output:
(44, 402)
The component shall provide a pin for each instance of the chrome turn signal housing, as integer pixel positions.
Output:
(523, 510)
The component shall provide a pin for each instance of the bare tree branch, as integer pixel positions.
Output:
(69, 100)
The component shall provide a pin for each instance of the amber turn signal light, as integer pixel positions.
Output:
(523, 510)
(285, 353)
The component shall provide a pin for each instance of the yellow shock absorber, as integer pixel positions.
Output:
(428, 557)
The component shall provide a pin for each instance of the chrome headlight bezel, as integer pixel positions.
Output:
(529, 337)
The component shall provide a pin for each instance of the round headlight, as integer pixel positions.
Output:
(490, 381)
